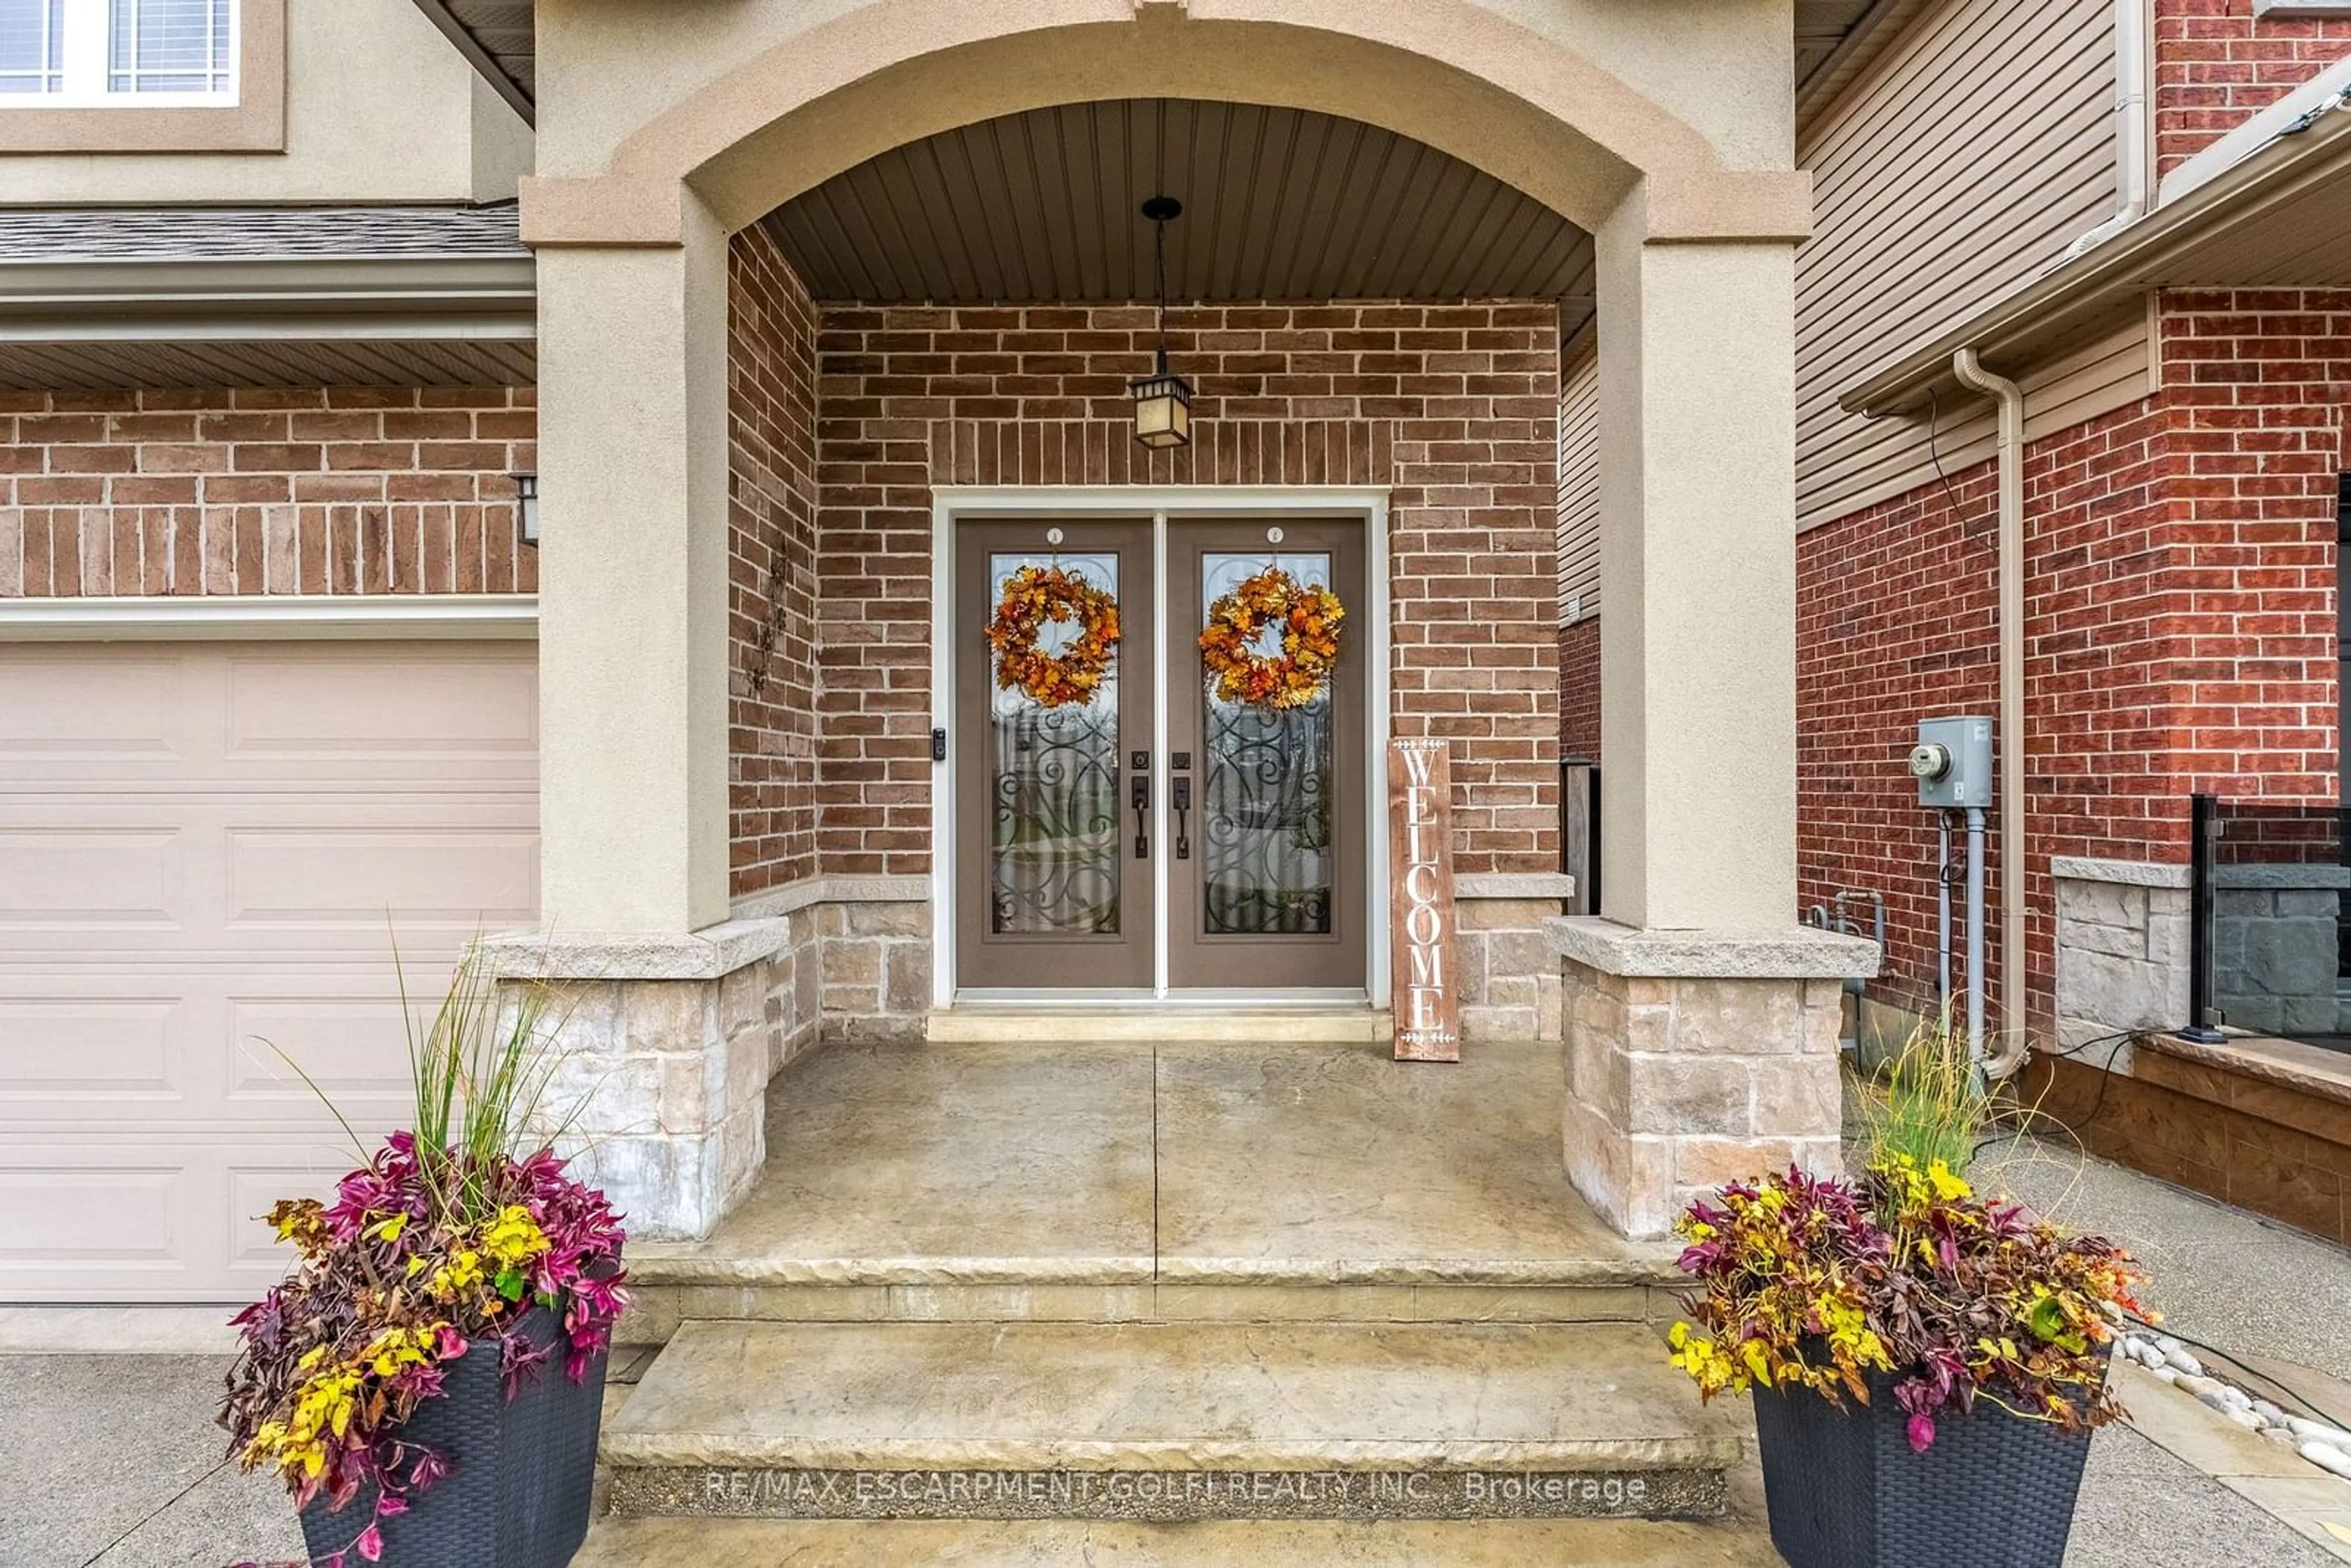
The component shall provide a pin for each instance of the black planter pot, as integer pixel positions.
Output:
(1845, 1491)
(518, 1490)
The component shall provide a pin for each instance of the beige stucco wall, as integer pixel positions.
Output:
(1570, 101)
(1664, 125)
(378, 108)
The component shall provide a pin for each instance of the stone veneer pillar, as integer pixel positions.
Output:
(1697, 1058)
(664, 1048)
(2122, 952)
(1510, 974)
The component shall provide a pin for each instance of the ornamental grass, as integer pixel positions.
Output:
(1904, 1283)
(438, 1247)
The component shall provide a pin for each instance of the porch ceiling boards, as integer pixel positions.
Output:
(1280, 203)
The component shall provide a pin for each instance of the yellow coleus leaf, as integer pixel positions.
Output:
(1947, 1185)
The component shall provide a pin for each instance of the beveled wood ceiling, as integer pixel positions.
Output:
(1279, 203)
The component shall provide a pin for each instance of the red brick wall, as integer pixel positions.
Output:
(1452, 405)
(309, 490)
(771, 567)
(2179, 621)
(1579, 689)
(2215, 66)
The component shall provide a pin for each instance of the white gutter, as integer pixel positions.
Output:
(2133, 125)
(269, 617)
(1971, 374)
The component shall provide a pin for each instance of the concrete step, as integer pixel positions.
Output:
(1167, 1422)
(1057, 1543)
(981, 1023)
(1597, 1294)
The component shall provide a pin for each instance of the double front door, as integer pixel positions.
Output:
(1157, 836)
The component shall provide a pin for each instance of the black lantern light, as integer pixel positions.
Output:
(527, 501)
(1163, 400)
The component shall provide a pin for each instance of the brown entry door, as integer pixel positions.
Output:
(1053, 865)
(1266, 883)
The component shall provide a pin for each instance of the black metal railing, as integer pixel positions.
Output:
(2270, 918)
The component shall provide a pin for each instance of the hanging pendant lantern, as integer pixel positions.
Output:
(1163, 400)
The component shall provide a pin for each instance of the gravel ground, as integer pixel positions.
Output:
(2221, 1275)
(114, 1460)
(2141, 1507)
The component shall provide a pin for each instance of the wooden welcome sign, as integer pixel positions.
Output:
(1424, 970)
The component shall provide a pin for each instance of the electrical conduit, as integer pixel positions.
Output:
(2010, 397)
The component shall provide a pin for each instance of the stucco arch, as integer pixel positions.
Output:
(1455, 74)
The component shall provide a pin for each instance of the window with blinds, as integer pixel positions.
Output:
(32, 46)
(101, 53)
(170, 46)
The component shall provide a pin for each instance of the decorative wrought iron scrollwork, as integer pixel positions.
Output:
(1053, 803)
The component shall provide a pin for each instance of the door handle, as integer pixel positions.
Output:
(1182, 802)
(1138, 792)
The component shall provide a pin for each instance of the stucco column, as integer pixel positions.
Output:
(1698, 570)
(1701, 1021)
(633, 584)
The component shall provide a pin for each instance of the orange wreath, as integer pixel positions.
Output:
(1309, 619)
(1040, 596)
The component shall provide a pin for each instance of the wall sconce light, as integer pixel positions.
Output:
(1163, 400)
(527, 490)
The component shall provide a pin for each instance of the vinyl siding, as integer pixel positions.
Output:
(1955, 172)
(1579, 490)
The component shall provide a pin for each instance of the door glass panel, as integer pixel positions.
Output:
(1053, 807)
(1267, 789)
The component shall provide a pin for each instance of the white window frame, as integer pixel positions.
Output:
(88, 31)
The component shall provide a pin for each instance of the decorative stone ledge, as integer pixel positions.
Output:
(663, 1049)
(2309, 1069)
(1555, 885)
(1695, 1058)
(2293, 878)
(811, 891)
(2123, 873)
(712, 953)
(1782, 953)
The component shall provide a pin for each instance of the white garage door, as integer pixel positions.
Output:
(205, 847)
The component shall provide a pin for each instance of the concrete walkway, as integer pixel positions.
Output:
(76, 1492)
(113, 1460)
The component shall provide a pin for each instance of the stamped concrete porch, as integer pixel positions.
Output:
(1163, 1283)
(1119, 1182)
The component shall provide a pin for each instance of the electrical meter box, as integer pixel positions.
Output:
(1952, 762)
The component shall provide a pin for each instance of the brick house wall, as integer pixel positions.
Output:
(1452, 405)
(2180, 624)
(771, 568)
(2216, 65)
(265, 491)
(1579, 690)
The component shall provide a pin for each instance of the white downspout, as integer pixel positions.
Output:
(2133, 165)
(1971, 374)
